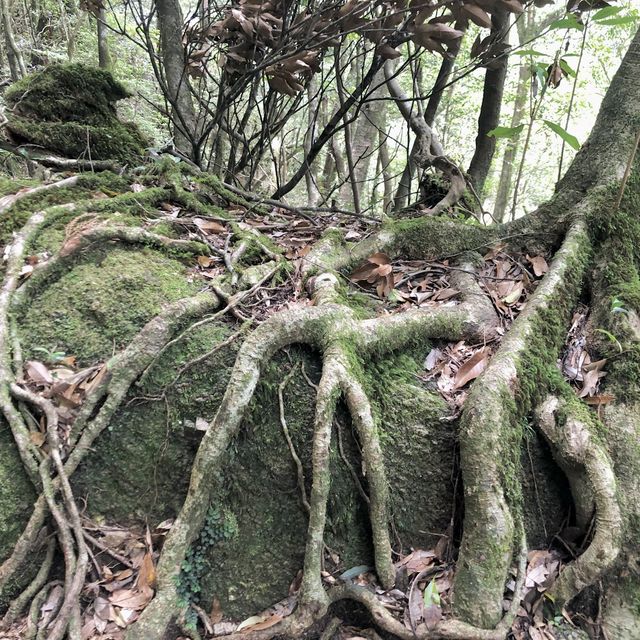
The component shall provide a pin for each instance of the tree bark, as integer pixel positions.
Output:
(489, 118)
(104, 57)
(14, 55)
(178, 88)
(511, 148)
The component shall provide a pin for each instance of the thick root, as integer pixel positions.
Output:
(573, 441)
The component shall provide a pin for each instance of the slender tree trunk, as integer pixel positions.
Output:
(403, 191)
(313, 195)
(14, 55)
(508, 160)
(365, 135)
(387, 179)
(489, 117)
(104, 58)
(352, 182)
(178, 91)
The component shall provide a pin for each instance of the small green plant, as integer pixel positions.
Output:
(50, 355)
(611, 338)
(220, 525)
(617, 306)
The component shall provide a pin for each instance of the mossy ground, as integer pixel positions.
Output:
(16, 499)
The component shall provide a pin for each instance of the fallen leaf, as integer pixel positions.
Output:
(539, 265)
(599, 400)
(472, 368)
(38, 372)
(147, 574)
(432, 614)
(209, 226)
(216, 611)
(432, 359)
(131, 599)
(264, 624)
(417, 561)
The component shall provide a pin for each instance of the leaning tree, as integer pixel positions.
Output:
(96, 251)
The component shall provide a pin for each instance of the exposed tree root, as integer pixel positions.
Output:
(489, 447)
(576, 444)
(507, 392)
(121, 371)
(332, 329)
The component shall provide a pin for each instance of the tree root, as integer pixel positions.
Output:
(8, 201)
(489, 437)
(574, 442)
(121, 372)
(490, 445)
(332, 329)
(306, 615)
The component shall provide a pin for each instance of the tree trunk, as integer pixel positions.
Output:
(178, 89)
(489, 118)
(14, 55)
(313, 195)
(104, 58)
(511, 149)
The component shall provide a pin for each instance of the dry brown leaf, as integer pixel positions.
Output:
(209, 226)
(417, 561)
(131, 598)
(472, 368)
(147, 574)
(205, 261)
(601, 399)
(432, 614)
(539, 265)
(264, 624)
(445, 294)
(477, 15)
(38, 372)
(215, 615)
(37, 438)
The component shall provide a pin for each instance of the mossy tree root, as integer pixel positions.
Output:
(121, 373)
(345, 343)
(53, 474)
(572, 434)
(491, 434)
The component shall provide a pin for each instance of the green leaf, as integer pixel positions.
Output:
(607, 12)
(431, 595)
(611, 338)
(565, 135)
(529, 52)
(619, 21)
(570, 22)
(505, 132)
(564, 65)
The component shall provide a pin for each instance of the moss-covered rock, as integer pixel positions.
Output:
(100, 305)
(70, 109)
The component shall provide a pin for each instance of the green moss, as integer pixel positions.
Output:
(436, 237)
(16, 501)
(219, 527)
(116, 141)
(141, 466)
(70, 109)
(13, 185)
(617, 235)
(84, 195)
(99, 305)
